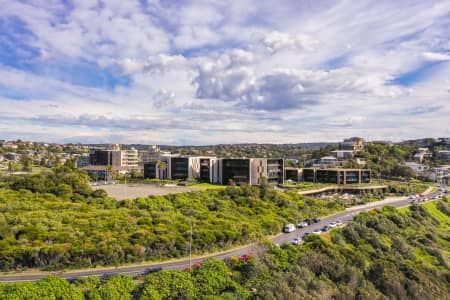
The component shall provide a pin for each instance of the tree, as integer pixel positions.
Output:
(404, 171)
(117, 287)
(168, 285)
(162, 165)
(27, 163)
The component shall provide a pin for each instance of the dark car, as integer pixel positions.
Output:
(151, 270)
(316, 220)
(326, 228)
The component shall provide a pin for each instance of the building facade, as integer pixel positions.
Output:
(293, 174)
(343, 154)
(443, 155)
(337, 176)
(113, 156)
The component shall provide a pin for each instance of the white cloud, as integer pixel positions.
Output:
(433, 56)
(217, 71)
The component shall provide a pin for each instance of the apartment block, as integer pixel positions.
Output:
(113, 156)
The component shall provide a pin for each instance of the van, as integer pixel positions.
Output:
(289, 228)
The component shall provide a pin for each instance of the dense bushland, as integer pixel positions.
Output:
(383, 254)
(56, 221)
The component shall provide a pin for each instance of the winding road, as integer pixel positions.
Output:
(136, 270)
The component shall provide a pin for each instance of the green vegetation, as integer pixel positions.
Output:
(405, 188)
(304, 186)
(207, 186)
(55, 221)
(383, 254)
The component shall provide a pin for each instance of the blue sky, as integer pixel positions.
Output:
(202, 72)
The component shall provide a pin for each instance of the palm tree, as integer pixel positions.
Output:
(161, 165)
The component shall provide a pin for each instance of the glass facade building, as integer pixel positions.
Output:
(236, 170)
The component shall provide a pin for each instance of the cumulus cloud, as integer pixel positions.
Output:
(157, 63)
(434, 56)
(277, 41)
(163, 98)
(287, 88)
(217, 71)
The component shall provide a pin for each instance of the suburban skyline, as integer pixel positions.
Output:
(215, 72)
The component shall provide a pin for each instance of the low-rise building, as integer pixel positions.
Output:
(325, 162)
(252, 171)
(82, 161)
(443, 155)
(293, 174)
(343, 154)
(445, 140)
(337, 176)
(442, 174)
(12, 156)
(421, 154)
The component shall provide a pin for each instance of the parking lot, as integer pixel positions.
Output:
(131, 191)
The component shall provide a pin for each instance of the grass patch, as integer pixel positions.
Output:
(207, 186)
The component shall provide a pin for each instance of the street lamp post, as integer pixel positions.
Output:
(190, 245)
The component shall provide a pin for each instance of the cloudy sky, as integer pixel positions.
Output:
(206, 72)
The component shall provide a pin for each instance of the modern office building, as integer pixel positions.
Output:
(113, 156)
(82, 161)
(209, 169)
(275, 171)
(235, 170)
(152, 153)
(293, 174)
(252, 171)
(336, 176)
(443, 155)
(179, 168)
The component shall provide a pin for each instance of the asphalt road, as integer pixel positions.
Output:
(137, 270)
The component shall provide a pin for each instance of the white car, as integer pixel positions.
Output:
(296, 241)
(332, 224)
(317, 231)
(302, 224)
(338, 223)
(288, 228)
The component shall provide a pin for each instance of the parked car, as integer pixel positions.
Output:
(288, 228)
(302, 224)
(317, 231)
(332, 224)
(296, 241)
(338, 223)
(151, 270)
(326, 228)
(316, 220)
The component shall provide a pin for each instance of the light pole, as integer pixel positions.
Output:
(190, 245)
